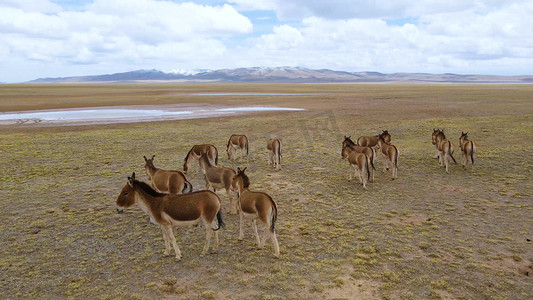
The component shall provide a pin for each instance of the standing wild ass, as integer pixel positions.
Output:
(256, 205)
(218, 178)
(171, 210)
(173, 182)
(274, 153)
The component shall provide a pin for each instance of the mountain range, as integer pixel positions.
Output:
(283, 75)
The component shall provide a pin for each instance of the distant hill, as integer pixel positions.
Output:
(283, 75)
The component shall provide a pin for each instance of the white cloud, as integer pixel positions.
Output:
(376, 35)
(117, 31)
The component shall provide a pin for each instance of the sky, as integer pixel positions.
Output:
(61, 38)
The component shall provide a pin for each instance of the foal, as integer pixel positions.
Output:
(390, 154)
(172, 182)
(218, 178)
(197, 150)
(370, 152)
(256, 205)
(444, 148)
(274, 153)
(359, 163)
(236, 142)
(468, 148)
(170, 210)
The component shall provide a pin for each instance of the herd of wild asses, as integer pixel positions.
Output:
(169, 199)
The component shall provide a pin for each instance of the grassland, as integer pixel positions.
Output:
(462, 235)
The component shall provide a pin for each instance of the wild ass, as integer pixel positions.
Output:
(218, 178)
(197, 150)
(163, 181)
(372, 141)
(171, 210)
(274, 153)
(236, 142)
(468, 148)
(369, 151)
(390, 155)
(444, 148)
(359, 164)
(256, 205)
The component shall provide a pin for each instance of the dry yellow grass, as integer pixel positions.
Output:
(428, 234)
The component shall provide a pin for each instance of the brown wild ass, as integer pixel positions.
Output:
(372, 141)
(171, 210)
(197, 150)
(434, 140)
(444, 148)
(218, 178)
(370, 152)
(256, 205)
(163, 181)
(390, 155)
(468, 148)
(274, 153)
(236, 142)
(359, 164)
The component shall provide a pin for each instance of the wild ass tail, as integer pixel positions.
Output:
(279, 153)
(216, 156)
(274, 216)
(373, 157)
(472, 151)
(246, 145)
(367, 169)
(396, 153)
(219, 221)
(186, 186)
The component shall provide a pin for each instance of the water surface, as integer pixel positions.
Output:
(129, 114)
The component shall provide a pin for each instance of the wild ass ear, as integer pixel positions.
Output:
(238, 170)
(130, 179)
(153, 156)
(244, 169)
(145, 159)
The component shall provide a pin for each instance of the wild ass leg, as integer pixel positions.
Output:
(275, 242)
(170, 235)
(207, 239)
(232, 206)
(241, 230)
(385, 163)
(258, 241)
(350, 172)
(446, 161)
(167, 242)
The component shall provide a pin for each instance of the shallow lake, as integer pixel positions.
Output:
(129, 114)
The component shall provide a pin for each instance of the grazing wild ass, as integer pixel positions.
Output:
(197, 150)
(171, 210)
(444, 148)
(218, 178)
(468, 148)
(163, 181)
(236, 142)
(370, 152)
(274, 153)
(256, 205)
(359, 164)
(390, 155)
